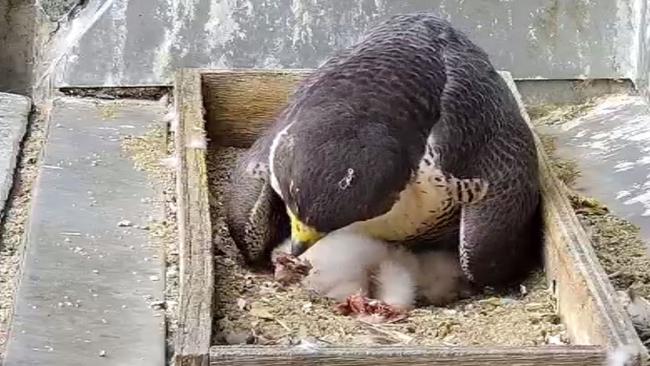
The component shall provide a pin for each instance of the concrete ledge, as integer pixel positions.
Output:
(14, 115)
(88, 279)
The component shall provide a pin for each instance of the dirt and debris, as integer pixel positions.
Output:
(554, 114)
(566, 170)
(147, 152)
(14, 221)
(111, 93)
(253, 308)
(617, 243)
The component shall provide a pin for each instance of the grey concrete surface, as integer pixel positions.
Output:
(87, 283)
(611, 145)
(14, 116)
(141, 42)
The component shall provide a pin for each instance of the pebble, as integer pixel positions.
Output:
(102, 353)
(124, 223)
(523, 290)
(242, 304)
(555, 340)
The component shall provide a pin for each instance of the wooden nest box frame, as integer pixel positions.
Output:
(231, 108)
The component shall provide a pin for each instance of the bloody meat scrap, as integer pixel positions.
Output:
(370, 310)
(290, 269)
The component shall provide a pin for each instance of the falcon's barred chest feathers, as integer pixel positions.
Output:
(410, 136)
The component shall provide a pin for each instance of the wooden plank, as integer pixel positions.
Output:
(193, 338)
(586, 298)
(411, 356)
(239, 104)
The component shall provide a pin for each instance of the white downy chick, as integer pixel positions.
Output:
(346, 263)
(440, 279)
(395, 278)
(435, 277)
(340, 263)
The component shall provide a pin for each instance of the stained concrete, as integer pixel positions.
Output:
(142, 42)
(59, 10)
(611, 144)
(642, 79)
(535, 92)
(14, 116)
(87, 283)
(17, 22)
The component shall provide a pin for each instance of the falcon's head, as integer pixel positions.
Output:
(334, 170)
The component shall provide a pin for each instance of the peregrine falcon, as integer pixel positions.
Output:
(410, 136)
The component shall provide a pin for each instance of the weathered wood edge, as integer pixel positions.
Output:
(587, 300)
(193, 338)
(242, 102)
(411, 356)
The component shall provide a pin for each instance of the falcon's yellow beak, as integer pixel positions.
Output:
(302, 236)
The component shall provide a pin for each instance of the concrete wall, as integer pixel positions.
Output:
(142, 41)
(642, 79)
(130, 42)
(16, 53)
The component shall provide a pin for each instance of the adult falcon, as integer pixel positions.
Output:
(410, 136)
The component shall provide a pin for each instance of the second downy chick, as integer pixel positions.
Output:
(432, 277)
(440, 279)
(394, 279)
